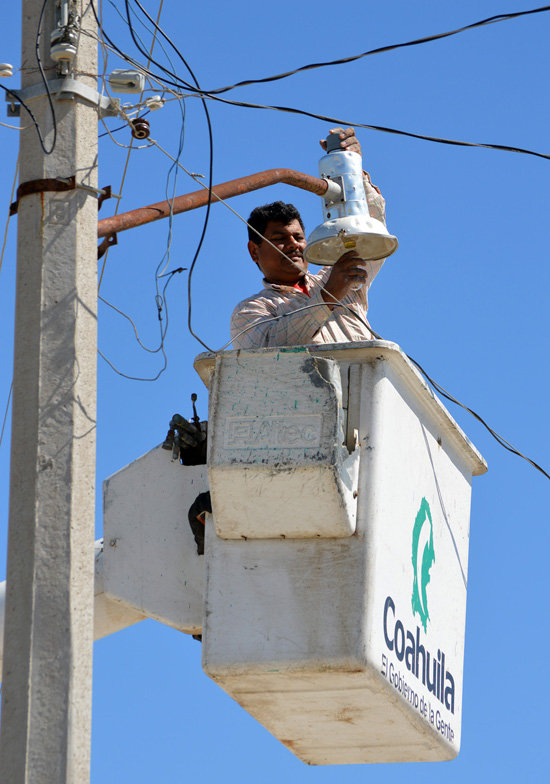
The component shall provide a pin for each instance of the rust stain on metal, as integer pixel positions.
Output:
(41, 186)
(226, 190)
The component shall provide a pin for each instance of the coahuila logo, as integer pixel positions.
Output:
(423, 556)
(408, 646)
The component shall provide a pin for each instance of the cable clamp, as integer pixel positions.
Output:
(60, 184)
(42, 186)
(64, 89)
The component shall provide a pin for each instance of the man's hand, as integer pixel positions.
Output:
(348, 270)
(348, 140)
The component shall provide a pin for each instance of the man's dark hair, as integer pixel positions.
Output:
(278, 211)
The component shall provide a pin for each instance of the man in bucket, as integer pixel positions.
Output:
(296, 308)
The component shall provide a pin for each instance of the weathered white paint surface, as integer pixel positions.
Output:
(151, 569)
(109, 616)
(276, 433)
(150, 557)
(318, 638)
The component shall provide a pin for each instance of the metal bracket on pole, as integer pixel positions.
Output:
(103, 247)
(42, 186)
(63, 89)
(60, 184)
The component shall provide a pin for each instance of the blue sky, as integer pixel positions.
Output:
(465, 295)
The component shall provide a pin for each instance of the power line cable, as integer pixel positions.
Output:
(378, 50)
(381, 49)
(132, 61)
(383, 129)
(356, 124)
(17, 99)
(326, 118)
(211, 161)
(160, 299)
(13, 127)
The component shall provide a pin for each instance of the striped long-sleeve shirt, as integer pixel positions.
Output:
(284, 316)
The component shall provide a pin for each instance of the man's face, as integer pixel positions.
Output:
(289, 239)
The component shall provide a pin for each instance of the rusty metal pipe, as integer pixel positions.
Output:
(226, 190)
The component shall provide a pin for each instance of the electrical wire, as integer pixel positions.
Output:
(6, 414)
(500, 439)
(381, 49)
(151, 351)
(14, 127)
(45, 81)
(31, 115)
(444, 393)
(325, 118)
(160, 297)
(123, 113)
(176, 81)
(383, 129)
(335, 120)
(9, 216)
(132, 61)
(100, 28)
(211, 156)
(134, 378)
(126, 316)
(1, 265)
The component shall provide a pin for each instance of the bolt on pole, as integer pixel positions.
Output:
(46, 695)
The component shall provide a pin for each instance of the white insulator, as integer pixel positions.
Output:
(154, 102)
(63, 44)
(127, 81)
(6, 69)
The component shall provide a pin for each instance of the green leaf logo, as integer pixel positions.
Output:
(423, 556)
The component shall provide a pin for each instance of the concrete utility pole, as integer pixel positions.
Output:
(46, 699)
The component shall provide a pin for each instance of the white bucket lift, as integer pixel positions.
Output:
(347, 642)
(332, 593)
